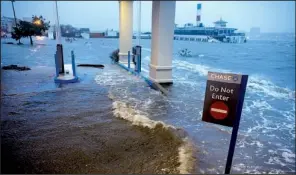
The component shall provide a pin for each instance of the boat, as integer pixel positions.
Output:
(185, 53)
(218, 33)
(145, 35)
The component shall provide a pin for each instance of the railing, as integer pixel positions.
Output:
(138, 63)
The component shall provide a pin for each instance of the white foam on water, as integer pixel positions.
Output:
(263, 126)
(261, 105)
(147, 58)
(275, 160)
(255, 169)
(288, 155)
(259, 144)
(186, 151)
(202, 171)
(256, 83)
(146, 49)
(144, 70)
(282, 157)
(136, 117)
(186, 158)
(113, 78)
(201, 69)
(276, 171)
(239, 167)
(147, 103)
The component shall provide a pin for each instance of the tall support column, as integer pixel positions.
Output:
(163, 24)
(125, 29)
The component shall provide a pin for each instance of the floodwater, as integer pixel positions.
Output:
(266, 140)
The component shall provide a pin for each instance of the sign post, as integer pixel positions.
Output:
(223, 104)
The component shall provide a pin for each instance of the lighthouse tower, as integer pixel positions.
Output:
(198, 15)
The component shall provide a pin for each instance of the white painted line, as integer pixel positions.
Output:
(219, 110)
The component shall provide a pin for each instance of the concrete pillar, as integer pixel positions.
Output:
(163, 24)
(125, 29)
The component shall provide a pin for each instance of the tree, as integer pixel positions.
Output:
(68, 31)
(29, 29)
(16, 34)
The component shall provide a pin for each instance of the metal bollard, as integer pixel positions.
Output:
(136, 63)
(139, 64)
(129, 59)
(57, 65)
(73, 63)
(60, 59)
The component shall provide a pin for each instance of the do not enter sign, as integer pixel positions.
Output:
(223, 104)
(223, 94)
(219, 110)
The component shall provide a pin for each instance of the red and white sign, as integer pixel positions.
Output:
(219, 110)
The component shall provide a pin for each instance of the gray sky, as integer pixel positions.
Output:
(272, 16)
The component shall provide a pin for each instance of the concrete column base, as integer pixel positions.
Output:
(161, 74)
(123, 58)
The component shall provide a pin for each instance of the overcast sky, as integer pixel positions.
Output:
(270, 16)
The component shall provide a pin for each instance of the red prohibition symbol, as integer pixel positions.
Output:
(219, 110)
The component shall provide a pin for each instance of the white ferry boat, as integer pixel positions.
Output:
(218, 33)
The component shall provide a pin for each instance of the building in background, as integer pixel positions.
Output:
(85, 33)
(97, 34)
(69, 31)
(51, 34)
(111, 34)
(7, 23)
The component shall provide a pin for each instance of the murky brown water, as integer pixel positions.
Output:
(73, 130)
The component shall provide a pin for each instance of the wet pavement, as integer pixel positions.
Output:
(51, 128)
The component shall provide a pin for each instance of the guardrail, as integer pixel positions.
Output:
(152, 84)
